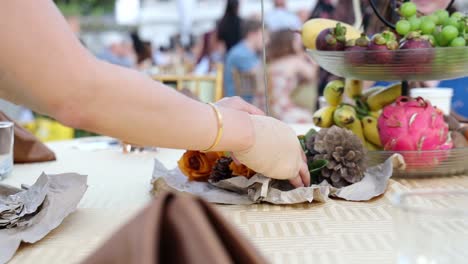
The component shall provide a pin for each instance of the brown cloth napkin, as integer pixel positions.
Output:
(27, 148)
(177, 228)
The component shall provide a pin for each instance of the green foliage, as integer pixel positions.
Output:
(85, 7)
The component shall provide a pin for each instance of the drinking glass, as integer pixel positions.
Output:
(6, 148)
(432, 227)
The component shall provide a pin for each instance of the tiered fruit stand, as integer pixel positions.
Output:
(406, 65)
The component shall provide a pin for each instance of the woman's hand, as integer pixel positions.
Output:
(292, 165)
(276, 152)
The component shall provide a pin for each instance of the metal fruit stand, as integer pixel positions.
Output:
(406, 65)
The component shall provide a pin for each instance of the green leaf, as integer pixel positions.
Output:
(315, 169)
(302, 141)
(310, 133)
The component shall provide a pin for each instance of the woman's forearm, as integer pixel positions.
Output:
(130, 106)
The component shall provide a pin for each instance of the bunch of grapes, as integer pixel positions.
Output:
(441, 28)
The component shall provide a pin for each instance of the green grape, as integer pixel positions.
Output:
(449, 33)
(408, 9)
(442, 15)
(415, 23)
(458, 15)
(403, 27)
(458, 42)
(463, 27)
(451, 21)
(434, 18)
(440, 42)
(427, 26)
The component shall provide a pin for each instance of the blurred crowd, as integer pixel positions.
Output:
(291, 83)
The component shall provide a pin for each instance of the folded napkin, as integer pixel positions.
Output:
(177, 228)
(29, 214)
(27, 147)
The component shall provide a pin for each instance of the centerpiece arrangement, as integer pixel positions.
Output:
(336, 159)
(420, 48)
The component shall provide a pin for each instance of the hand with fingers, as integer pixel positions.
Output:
(276, 152)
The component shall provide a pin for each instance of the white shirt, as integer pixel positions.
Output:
(280, 18)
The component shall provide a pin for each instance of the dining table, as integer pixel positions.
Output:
(119, 186)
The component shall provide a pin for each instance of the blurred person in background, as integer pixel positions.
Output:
(289, 68)
(280, 18)
(229, 27)
(212, 52)
(244, 56)
(143, 51)
(117, 50)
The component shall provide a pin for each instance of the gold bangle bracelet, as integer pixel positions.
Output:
(219, 134)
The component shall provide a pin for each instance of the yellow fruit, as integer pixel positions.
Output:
(375, 114)
(344, 115)
(312, 28)
(384, 97)
(371, 132)
(333, 92)
(366, 93)
(324, 116)
(356, 128)
(353, 88)
(371, 147)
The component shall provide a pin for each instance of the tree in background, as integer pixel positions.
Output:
(85, 7)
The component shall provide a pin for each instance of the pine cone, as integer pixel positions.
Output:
(221, 170)
(345, 154)
(310, 146)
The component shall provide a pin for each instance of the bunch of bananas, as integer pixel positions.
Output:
(360, 117)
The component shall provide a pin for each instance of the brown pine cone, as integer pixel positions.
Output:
(221, 170)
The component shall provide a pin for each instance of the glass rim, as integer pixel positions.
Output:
(377, 51)
(398, 202)
(6, 124)
(418, 151)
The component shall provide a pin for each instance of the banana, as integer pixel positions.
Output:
(384, 97)
(356, 128)
(371, 147)
(375, 114)
(312, 28)
(324, 116)
(366, 93)
(371, 132)
(344, 115)
(353, 88)
(333, 92)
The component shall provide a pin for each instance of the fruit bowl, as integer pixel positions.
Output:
(426, 163)
(397, 65)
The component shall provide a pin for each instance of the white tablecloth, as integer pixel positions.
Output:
(119, 184)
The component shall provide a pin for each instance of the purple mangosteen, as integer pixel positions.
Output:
(332, 39)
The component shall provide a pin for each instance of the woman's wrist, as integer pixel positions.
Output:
(238, 132)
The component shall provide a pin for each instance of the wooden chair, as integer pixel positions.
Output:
(245, 83)
(196, 83)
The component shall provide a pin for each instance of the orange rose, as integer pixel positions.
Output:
(241, 170)
(196, 165)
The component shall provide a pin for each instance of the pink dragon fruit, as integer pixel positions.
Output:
(413, 124)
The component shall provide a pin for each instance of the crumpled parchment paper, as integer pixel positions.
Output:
(30, 214)
(240, 190)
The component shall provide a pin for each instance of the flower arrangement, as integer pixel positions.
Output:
(335, 155)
